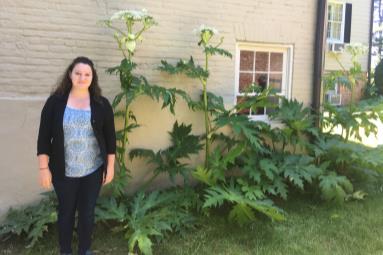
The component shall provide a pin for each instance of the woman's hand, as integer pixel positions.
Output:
(108, 177)
(45, 178)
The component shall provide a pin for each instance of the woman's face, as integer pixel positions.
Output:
(81, 76)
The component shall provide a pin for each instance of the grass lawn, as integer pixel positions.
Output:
(311, 227)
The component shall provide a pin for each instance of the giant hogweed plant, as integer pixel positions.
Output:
(172, 159)
(226, 182)
(351, 119)
(310, 164)
(220, 160)
(245, 200)
(154, 214)
(326, 162)
(31, 221)
(291, 157)
(148, 216)
(195, 71)
(128, 27)
(336, 151)
(256, 161)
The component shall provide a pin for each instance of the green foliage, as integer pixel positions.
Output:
(352, 121)
(265, 173)
(348, 77)
(169, 160)
(334, 78)
(298, 125)
(261, 100)
(241, 126)
(189, 68)
(244, 128)
(211, 50)
(148, 216)
(299, 169)
(132, 86)
(32, 221)
(348, 156)
(243, 209)
(294, 115)
(335, 187)
(219, 164)
(226, 185)
(109, 208)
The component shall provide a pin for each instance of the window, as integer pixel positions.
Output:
(338, 25)
(269, 66)
(335, 24)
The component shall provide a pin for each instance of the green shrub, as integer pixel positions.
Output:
(31, 221)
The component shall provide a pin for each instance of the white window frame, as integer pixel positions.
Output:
(332, 40)
(287, 67)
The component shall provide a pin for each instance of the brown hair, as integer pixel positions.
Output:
(65, 83)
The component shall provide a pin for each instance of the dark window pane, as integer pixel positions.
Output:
(245, 80)
(261, 80)
(261, 61)
(276, 82)
(259, 111)
(246, 61)
(276, 62)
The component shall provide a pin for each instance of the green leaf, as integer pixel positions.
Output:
(189, 68)
(241, 213)
(145, 244)
(154, 214)
(217, 51)
(216, 196)
(335, 187)
(32, 221)
(109, 209)
(269, 168)
(117, 99)
(299, 168)
(204, 175)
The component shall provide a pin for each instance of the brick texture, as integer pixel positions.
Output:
(39, 38)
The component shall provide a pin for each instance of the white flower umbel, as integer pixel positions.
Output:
(203, 28)
(130, 14)
(205, 33)
(136, 22)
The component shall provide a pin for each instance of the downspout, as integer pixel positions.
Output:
(370, 43)
(319, 57)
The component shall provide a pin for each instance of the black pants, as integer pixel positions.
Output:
(81, 194)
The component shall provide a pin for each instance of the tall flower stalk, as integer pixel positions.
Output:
(128, 27)
(190, 69)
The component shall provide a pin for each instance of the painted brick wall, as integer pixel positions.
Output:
(39, 38)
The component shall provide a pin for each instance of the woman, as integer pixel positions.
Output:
(76, 150)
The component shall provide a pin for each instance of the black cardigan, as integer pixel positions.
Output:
(51, 134)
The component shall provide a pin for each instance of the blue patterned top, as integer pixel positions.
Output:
(82, 152)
